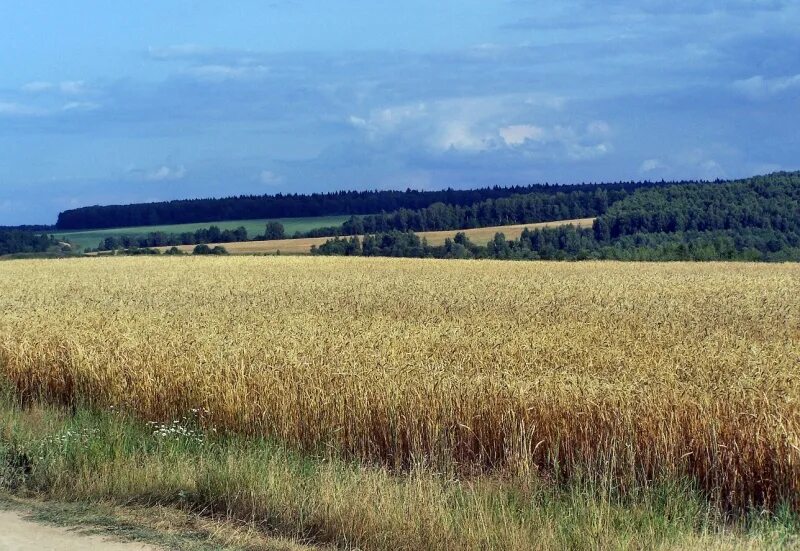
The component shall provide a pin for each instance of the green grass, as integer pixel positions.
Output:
(108, 457)
(91, 238)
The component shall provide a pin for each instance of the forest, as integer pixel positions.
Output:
(754, 219)
(297, 205)
(526, 208)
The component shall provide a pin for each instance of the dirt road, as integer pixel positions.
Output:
(19, 534)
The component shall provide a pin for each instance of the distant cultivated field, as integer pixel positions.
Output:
(303, 246)
(625, 373)
(91, 238)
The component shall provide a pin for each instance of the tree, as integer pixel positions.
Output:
(274, 230)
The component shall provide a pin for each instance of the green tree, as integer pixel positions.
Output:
(274, 230)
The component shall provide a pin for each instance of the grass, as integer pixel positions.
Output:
(110, 471)
(303, 246)
(91, 238)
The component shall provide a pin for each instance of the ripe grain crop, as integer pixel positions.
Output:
(621, 372)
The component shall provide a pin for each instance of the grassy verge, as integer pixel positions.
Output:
(257, 487)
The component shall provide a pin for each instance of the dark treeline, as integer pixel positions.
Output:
(754, 219)
(162, 239)
(571, 243)
(19, 241)
(202, 249)
(516, 209)
(295, 205)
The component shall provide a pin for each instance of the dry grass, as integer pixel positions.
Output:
(303, 246)
(617, 371)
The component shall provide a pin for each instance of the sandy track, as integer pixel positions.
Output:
(19, 534)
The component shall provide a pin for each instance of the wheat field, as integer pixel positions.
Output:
(624, 372)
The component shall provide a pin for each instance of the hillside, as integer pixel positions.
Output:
(752, 219)
(297, 205)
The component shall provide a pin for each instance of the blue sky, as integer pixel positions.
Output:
(115, 102)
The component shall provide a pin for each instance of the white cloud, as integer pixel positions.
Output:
(449, 124)
(458, 134)
(165, 173)
(270, 178)
(11, 109)
(177, 51)
(80, 106)
(358, 122)
(398, 119)
(758, 87)
(66, 87)
(598, 129)
(37, 86)
(580, 152)
(651, 165)
(711, 169)
(518, 134)
(213, 72)
(72, 87)
(485, 123)
(548, 101)
(690, 164)
(566, 142)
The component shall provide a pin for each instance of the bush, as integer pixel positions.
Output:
(205, 249)
(136, 251)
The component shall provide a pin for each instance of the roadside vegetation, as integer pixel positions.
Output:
(254, 493)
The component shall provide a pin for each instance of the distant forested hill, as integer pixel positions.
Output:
(753, 219)
(294, 205)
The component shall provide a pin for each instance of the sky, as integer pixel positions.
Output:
(117, 102)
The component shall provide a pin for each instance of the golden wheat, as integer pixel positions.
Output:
(623, 371)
